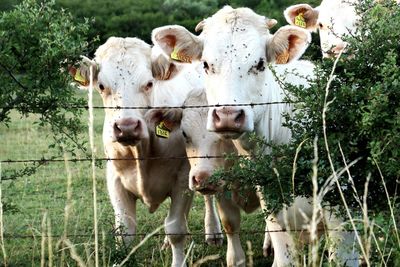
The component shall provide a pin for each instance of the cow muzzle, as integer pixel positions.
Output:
(200, 183)
(229, 121)
(335, 50)
(128, 131)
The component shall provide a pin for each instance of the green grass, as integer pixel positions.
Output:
(27, 199)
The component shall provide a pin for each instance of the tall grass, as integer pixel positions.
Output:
(62, 190)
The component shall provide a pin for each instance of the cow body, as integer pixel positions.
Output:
(142, 166)
(235, 47)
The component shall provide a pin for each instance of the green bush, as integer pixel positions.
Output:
(37, 44)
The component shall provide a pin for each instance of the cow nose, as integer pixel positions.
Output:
(228, 119)
(127, 130)
(199, 179)
(338, 48)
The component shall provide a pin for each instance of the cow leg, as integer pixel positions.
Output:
(211, 222)
(176, 225)
(345, 252)
(267, 245)
(282, 242)
(124, 205)
(230, 217)
(343, 244)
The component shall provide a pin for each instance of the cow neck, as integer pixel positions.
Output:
(155, 172)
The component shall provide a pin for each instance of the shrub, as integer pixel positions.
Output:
(37, 44)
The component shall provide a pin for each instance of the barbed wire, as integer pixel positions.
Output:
(44, 160)
(215, 235)
(161, 107)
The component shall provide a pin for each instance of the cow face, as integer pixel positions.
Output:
(235, 48)
(333, 19)
(204, 149)
(201, 144)
(124, 74)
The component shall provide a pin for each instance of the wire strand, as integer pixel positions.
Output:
(166, 107)
(44, 160)
(113, 234)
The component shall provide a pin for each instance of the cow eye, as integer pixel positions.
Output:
(260, 65)
(205, 66)
(184, 134)
(101, 87)
(149, 85)
(320, 25)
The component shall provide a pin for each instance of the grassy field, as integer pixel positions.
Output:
(37, 212)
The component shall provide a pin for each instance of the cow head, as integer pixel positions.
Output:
(333, 19)
(235, 48)
(204, 149)
(125, 74)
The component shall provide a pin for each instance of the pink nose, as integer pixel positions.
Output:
(338, 48)
(228, 119)
(199, 179)
(128, 130)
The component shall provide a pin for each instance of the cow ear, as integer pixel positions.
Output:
(178, 43)
(287, 44)
(302, 15)
(81, 73)
(163, 69)
(168, 118)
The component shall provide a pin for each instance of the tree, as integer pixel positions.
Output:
(37, 44)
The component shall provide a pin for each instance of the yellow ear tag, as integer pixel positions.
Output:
(79, 78)
(162, 130)
(282, 58)
(300, 21)
(176, 55)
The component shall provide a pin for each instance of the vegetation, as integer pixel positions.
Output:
(37, 44)
(40, 40)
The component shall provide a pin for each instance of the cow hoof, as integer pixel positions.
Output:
(215, 240)
(268, 251)
(166, 244)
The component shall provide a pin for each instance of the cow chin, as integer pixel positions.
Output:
(128, 142)
(229, 134)
(207, 191)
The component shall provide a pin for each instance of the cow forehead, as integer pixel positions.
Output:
(229, 26)
(229, 17)
(127, 73)
(337, 12)
(241, 45)
(116, 46)
(124, 62)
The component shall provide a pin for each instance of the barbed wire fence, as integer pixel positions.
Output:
(43, 161)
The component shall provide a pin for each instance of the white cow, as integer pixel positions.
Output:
(126, 75)
(235, 48)
(206, 152)
(332, 18)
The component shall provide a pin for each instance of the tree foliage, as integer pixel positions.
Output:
(37, 44)
(362, 123)
(138, 18)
